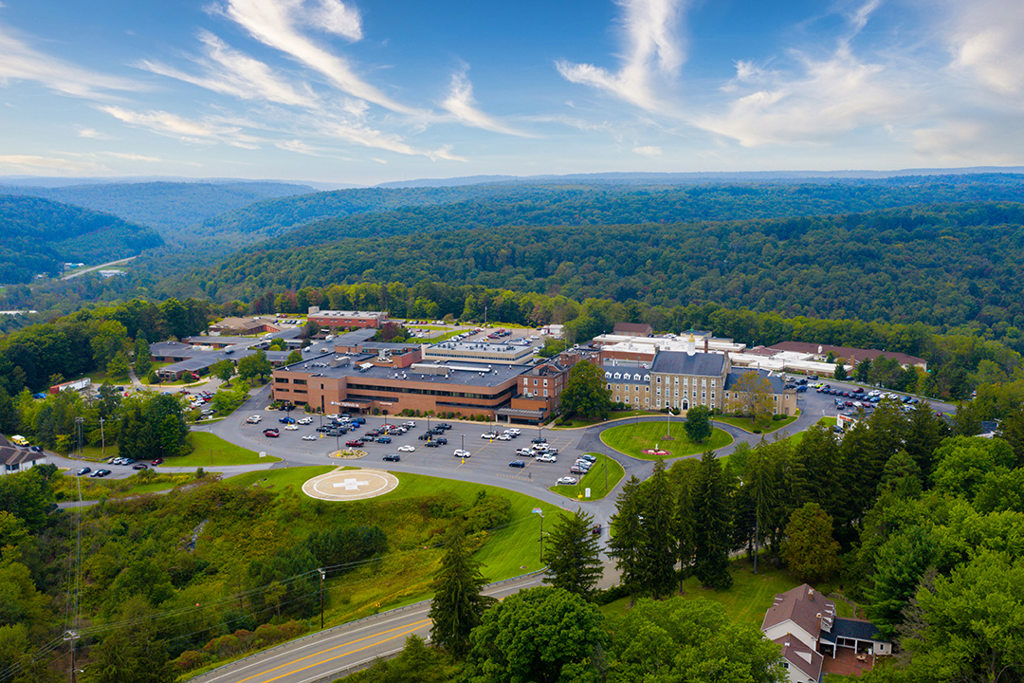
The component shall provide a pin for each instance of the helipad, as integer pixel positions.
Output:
(342, 485)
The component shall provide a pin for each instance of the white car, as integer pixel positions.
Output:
(546, 457)
(459, 453)
(504, 437)
(306, 420)
(513, 431)
(488, 435)
(525, 451)
(309, 437)
(410, 423)
(254, 419)
(408, 448)
(565, 481)
(291, 428)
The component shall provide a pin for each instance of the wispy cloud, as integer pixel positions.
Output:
(653, 50)
(20, 163)
(279, 23)
(19, 61)
(986, 44)
(817, 101)
(231, 72)
(135, 157)
(367, 136)
(462, 106)
(189, 130)
(92, 134)
(647, 150)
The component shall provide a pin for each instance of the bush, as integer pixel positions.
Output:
(190, 659)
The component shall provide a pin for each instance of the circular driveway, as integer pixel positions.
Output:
(344, 485)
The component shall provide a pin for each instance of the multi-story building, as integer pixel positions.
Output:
(346, 319)
(479, 352)
(539, 394)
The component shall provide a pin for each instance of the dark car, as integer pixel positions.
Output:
(444, 426)
(287, 420)
(383, 439)
(425, 437)
(140, 466)
(354, 443)
(576, 469)
(36, 449)
(596, 530)
(441, 440)
(392, 457)
(517, 463)
(431, 444)
(538, 439)
(84, 470)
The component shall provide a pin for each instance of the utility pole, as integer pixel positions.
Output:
(71, 637)
(103, 441)
(538, 511)
(323, 575)
(78, 434)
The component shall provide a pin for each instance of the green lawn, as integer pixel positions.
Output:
(594, 479)
(794, 439)
(633, 439)
(614, 415)
(750, 595)
(747, 423)
(209, 449)
(441, 337)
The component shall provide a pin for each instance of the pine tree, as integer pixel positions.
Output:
(573, 554)
(711, 522)
(457, 605)
(685, 526)
(657, 547)
(626, 534)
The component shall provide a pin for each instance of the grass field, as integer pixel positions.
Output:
(749, 597)
(794, 439)
(594, 479)
(633, 439)
(747, 423)
(209, 449)
(404, 574)
(614, 415)
(440, 337)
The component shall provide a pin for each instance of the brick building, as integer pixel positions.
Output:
(346, 319)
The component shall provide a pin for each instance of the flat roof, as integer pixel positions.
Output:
(459, 372)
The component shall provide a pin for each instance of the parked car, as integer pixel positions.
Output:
(383, 439)
(576, 469)
(588, 456)
(354, 443)
(517, 463)
(286, 420)
(432, 444)
(308, 437)
(546, 457)
(566, 481)
(441, 440)
(253, 419)
(504, 437)
(156, 461)
(489, 435)
(410, 423)
(272, 433)
(392, 457)
(539, 439)
(306, 420)
(84, 470)
(140, 466)
(408, 448)
(292, 428)
(524, 451)
(460, 453)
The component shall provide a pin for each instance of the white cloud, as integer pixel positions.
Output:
(366, 136)
(461, 105)
(19, 61)
(277, 23)
(647, 151)
(337, 18)
(986, 41)
(189, 130)
(135, 157)
(92, 134)
(233, 73)
(20, 163)
(652, 50)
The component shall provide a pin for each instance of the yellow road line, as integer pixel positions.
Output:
(344, 654)
(330, 649)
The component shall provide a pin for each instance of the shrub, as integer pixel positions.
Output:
(190, 659)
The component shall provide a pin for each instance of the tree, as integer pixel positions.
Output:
(969, 626)
(810, 551)
(711, 522)
(457, 605)
(963, 462)
(143, 362)
(698, 423)
(132, 655)
(573, 554)
(627, 537)
(118, 366)
(689, 640)
(754, 396)
(223, 370)
(277, 344)
(657, 556)
(8, 415)
(1011, 429)
(254, 366)
(840, 372)
(293, 357)
(862, 371)
(417, 663)
(540, 634)
(585, 394)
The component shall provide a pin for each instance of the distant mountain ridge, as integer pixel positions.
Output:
(171, 208)
(39, 235)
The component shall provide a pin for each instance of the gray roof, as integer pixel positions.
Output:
(778, 386)
(14, 455)
(631, 373)
(460, 372)
(682, 363)
(356, 336)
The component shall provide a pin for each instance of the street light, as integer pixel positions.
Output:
(538, 511)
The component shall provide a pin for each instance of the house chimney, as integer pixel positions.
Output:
(705, 344)
(810, 594)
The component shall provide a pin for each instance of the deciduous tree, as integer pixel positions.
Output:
(585, 394)
(698, 423)
(810, 551)
(754, 396)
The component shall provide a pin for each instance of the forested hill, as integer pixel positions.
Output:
(945, 265)
(39, 235)
(168, 207)
(332, 213)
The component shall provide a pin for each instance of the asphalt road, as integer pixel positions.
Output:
(327, 655)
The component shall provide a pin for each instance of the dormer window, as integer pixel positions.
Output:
(618, 375)
(607, 375)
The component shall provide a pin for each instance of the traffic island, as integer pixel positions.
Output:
(348, 454)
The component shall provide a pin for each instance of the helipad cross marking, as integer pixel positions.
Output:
(351, 484)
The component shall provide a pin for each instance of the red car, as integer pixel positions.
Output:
(156, 461)
(355, 443)
(273, 433)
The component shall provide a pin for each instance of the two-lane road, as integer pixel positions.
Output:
(342, 649)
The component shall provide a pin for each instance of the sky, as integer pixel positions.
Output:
(366, 91)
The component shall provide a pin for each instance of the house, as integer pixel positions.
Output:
(804, 622)
(18, 459)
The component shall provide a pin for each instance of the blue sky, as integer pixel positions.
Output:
(365, 91)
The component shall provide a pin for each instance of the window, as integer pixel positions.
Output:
(545, 393)
(647, 378)
(607, 375)
(545, 382)
(618, 375)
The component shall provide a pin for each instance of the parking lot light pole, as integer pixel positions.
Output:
(323, 575)
(538, 511)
